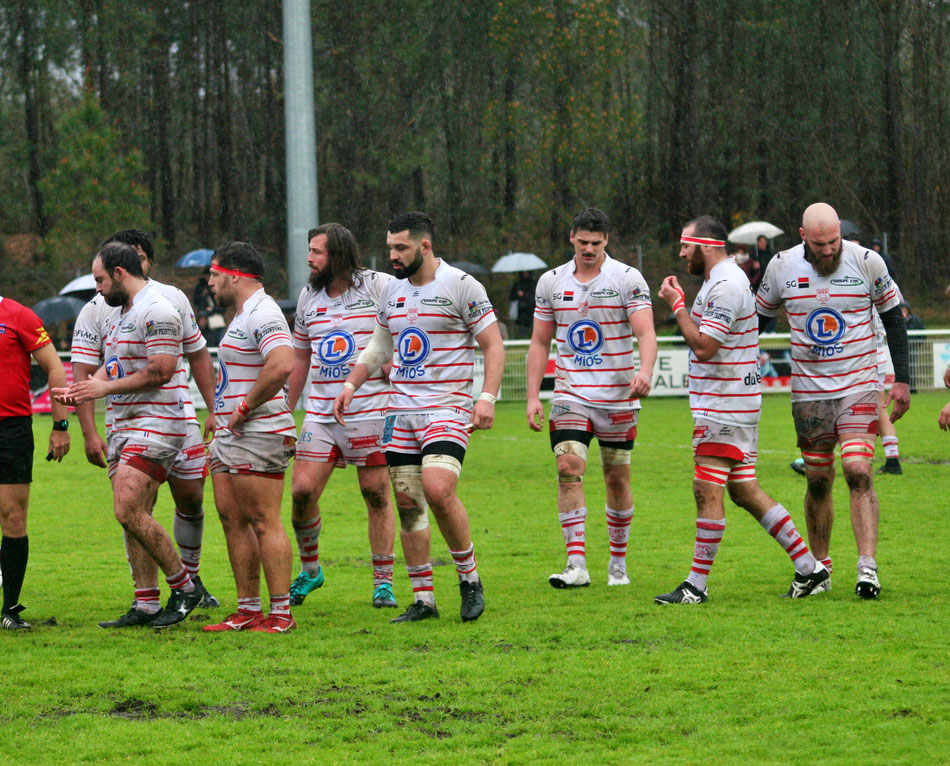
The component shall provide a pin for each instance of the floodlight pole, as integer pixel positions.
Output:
(301, 145)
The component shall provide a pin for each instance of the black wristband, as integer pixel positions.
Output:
(60, 425)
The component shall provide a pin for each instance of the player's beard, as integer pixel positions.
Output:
(117, 296)
(822, 266)
(320, 280)
(404, 272)
(694, 262)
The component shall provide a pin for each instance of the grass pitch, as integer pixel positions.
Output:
(591, 676)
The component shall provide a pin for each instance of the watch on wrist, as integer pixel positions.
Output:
(60, 425)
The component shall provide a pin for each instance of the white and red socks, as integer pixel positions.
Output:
(618, 528)
(421, 579)
(708, 536)
(249, 605)
(308, 545)
(188, 531)
(779, 524)
(465, 564)
(148, 600)
(181, 580)
(280, 605)
(572, 527)
(890, 447)
(383, 570)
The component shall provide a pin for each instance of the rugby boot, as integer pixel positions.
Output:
(207, 600)
(417, 611)
(383, 596)
(617, 575)
(130, 619)
(301, 587)
(237, 621)
(10, 619)
(473, 600)
(868, 586)
(180, 605)
(684, 593)
(275, 623)
(805, 585)
(571, 577)
(891, 465)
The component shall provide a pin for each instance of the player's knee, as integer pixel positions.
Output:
(410, 499)
(570, 465)
(819, 485)
(375, 498)
(858, 480)
(412, 519)
(617, 479)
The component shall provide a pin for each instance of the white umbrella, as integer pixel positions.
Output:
(518, 262)
(748, 233)
(82, 284)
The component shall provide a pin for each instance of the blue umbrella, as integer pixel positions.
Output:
(195, 259)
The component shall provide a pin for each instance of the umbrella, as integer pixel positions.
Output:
(195, 259)
(518, 262)
(59, 307)
(748, 233)
(470, 268)
(849, 229)
(82, 287)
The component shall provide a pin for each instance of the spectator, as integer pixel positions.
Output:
(763, 252)
(917, 345)
(202, 299)
(750, 265)
(878, 247)
(521, 296)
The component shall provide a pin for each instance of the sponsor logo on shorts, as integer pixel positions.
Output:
(700, 431)
(807, 423)
(336, 347)
(863, 409)
(134, 449)
(364, 442)
(560, 409)
(585, 337)
(825, 326)
(725, 431)
(413, 346)
(196, 450)
(621, 417)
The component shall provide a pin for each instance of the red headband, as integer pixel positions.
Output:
(234, 272)
(699, 241)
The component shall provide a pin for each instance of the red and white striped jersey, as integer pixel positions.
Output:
(96, 319)
(251, 336)
(336, 330)
(834, 352)
(151, 327)
(725, 389)
(434, 328)
(592, 332)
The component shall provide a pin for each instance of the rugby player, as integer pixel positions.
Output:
(254, 442)
(593, 307)
(146, 382)
(720, 330)
(336, 314)
(432, 315)
(187, 475)
(828, 288)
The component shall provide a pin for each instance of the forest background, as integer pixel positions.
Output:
(501, 118)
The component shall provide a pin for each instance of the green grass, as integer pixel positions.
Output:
(594, 676)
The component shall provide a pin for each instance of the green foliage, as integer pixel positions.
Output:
(93, 186)
(594, 676)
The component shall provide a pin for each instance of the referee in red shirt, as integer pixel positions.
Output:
(22, 334)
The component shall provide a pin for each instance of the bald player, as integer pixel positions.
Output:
(828, 287)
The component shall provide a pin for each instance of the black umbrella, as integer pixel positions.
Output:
(59, 307)
(850, 230)
(469, 268)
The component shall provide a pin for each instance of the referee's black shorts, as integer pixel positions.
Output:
(16, 450)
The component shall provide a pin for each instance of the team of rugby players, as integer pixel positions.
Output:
(390, 362)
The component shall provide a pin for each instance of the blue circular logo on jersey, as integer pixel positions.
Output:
(336, 347)
(413, 346)
(113, 368)
(825, 326)
(585, 337)
(222, 381)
